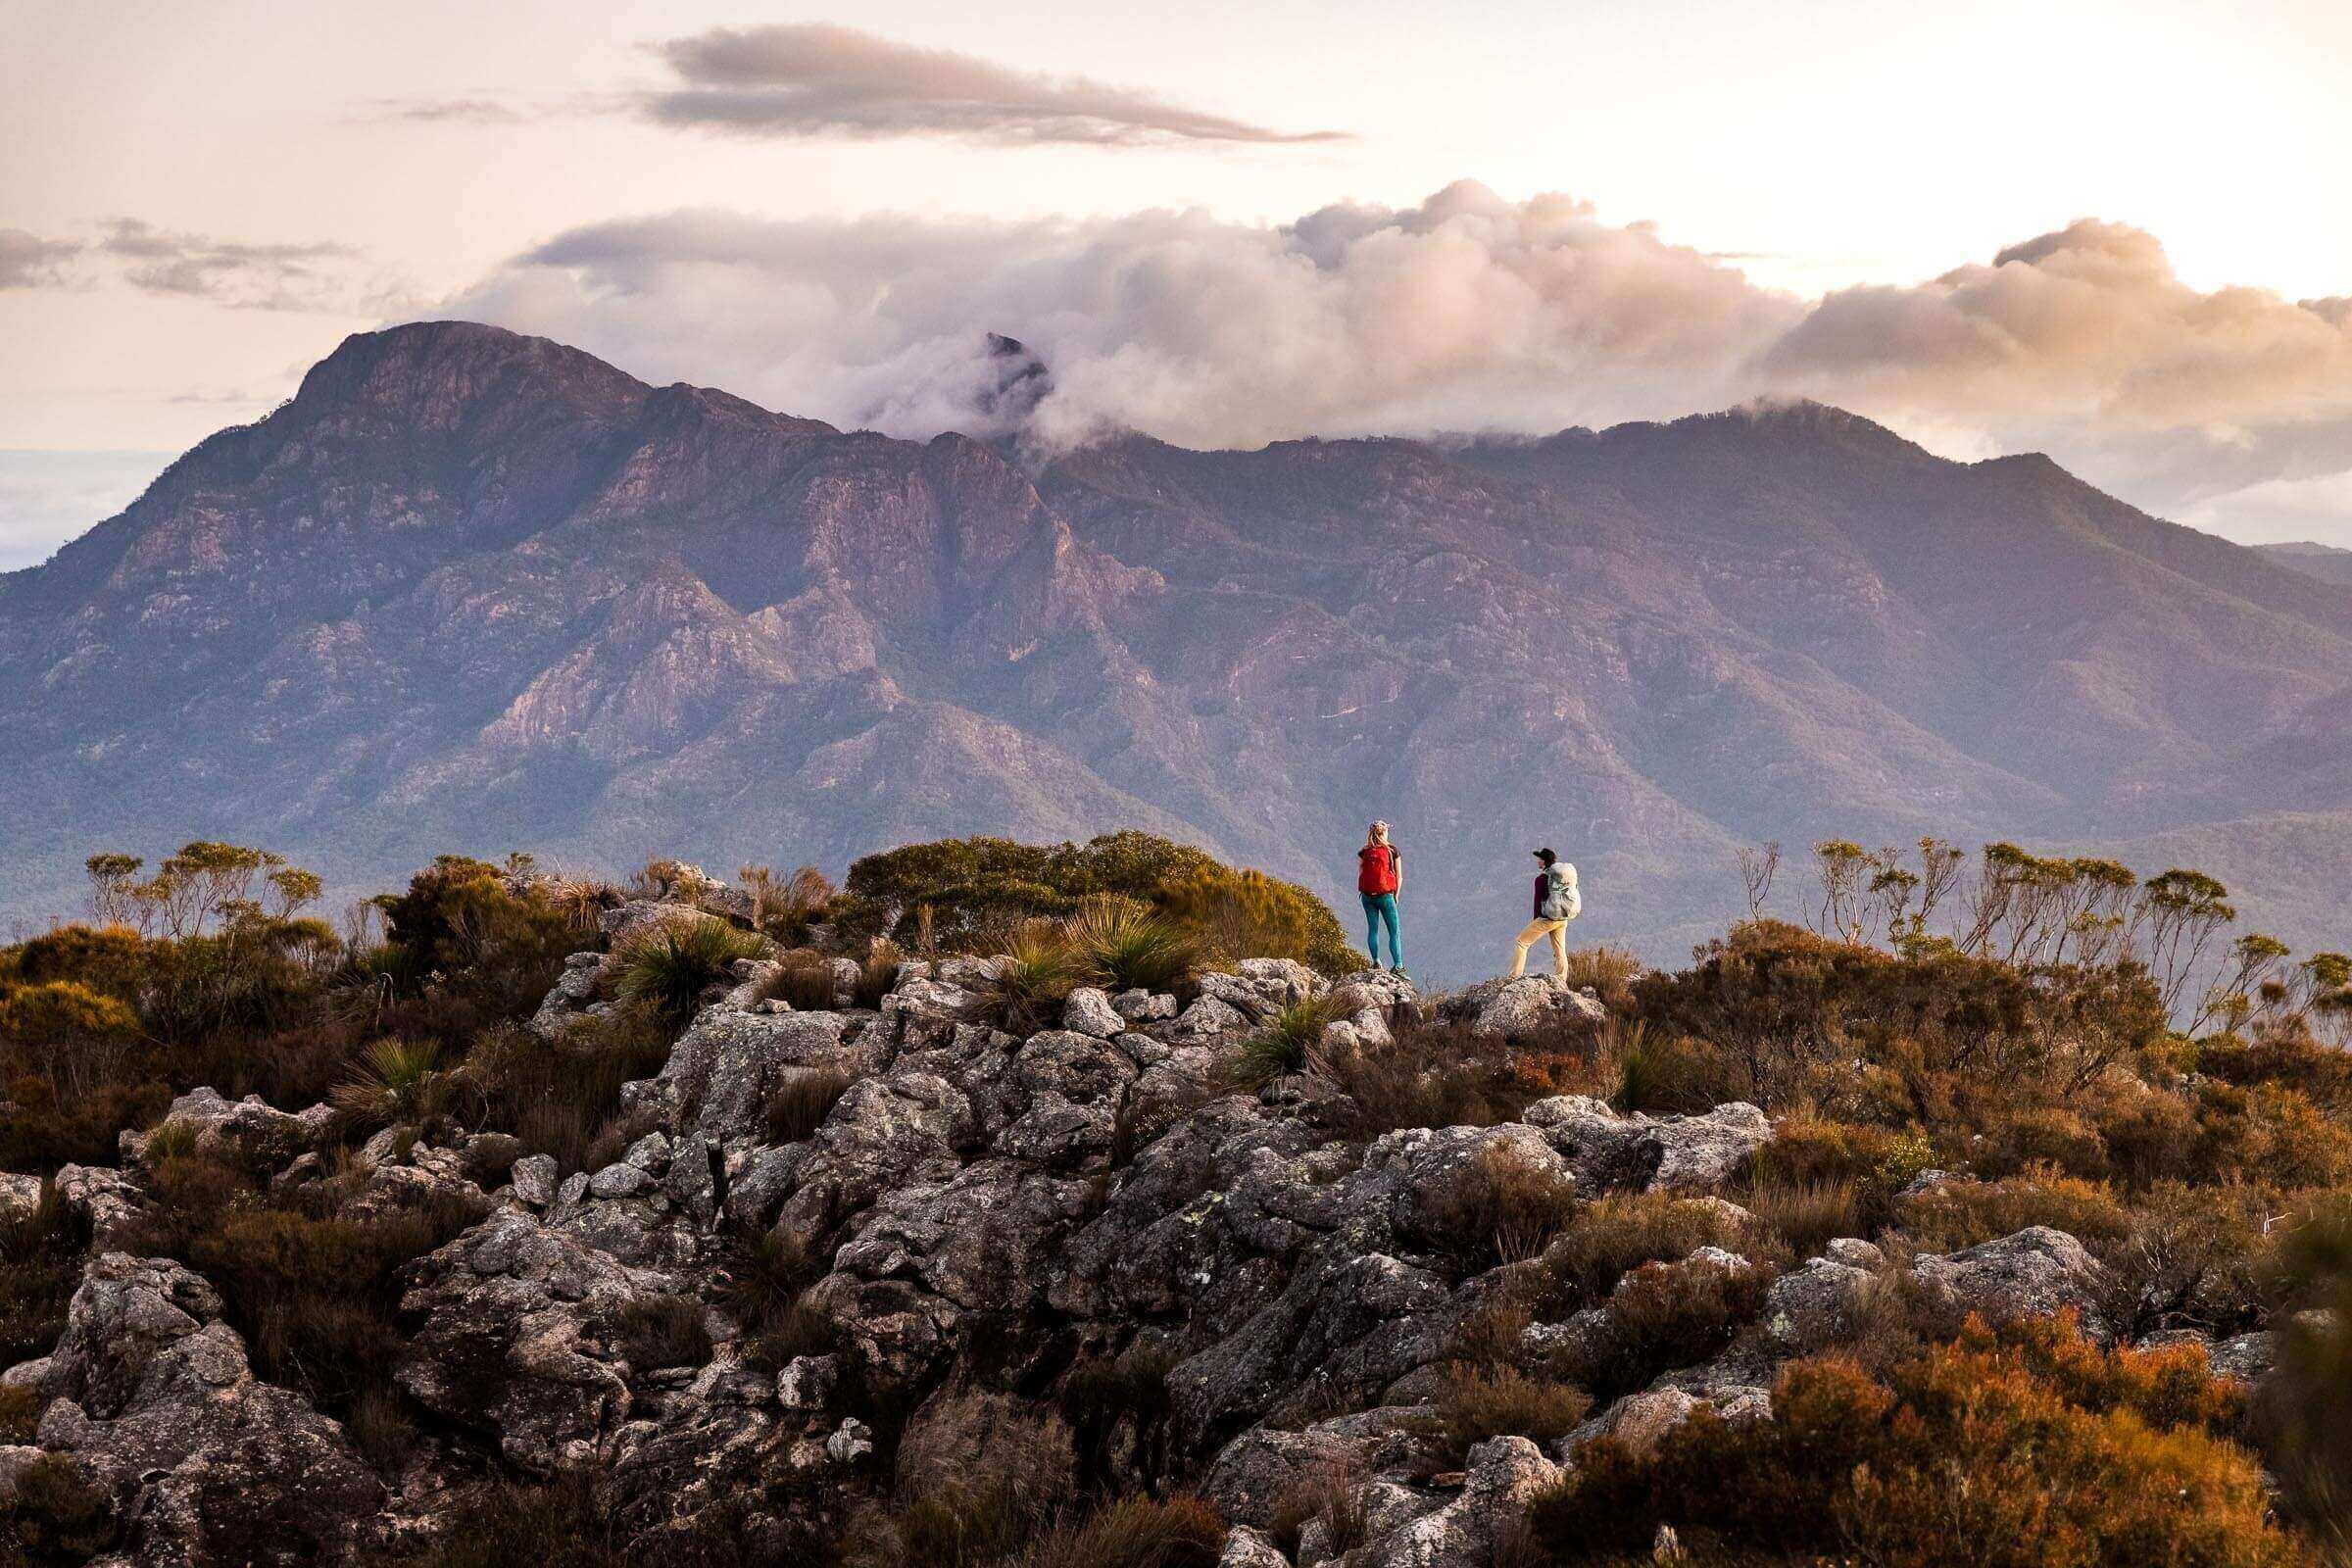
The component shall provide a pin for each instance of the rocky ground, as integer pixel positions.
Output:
(1260, 1303)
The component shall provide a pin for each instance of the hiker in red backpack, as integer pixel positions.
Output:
(1379, 877)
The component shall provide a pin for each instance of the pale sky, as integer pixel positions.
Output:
(1677, 203)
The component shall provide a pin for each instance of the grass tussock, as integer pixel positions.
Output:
(669, 967)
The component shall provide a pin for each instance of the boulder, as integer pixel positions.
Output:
(1513, 1010)
(1670, 1154)
(572, 996)
(1089, 1012)
(152, 1396)
(725, 1066)
(1143, 1006)
(20, 1197)
(2033, 1273)
(249, 1131)
(515, 1333)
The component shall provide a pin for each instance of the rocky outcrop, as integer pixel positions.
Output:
(1669, 1153)
(976, 1210)
(515, 1335)
(150, 1395)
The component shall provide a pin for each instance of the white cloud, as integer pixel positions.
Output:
(1465, 313)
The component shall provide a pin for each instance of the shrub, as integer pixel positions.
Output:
(798, 1106)
(1609, 972)
(2015, 1450)
(1619, 1233)
(663, 1331)
(1665, 1315)
(671, 966)
(1242, 914)
(1503, 1207)
(40, 1264)
(804, 979)
(1035, 977)
(970, 886)
(1120, 945)
(1805, 1215)
(1475, 1403)
(1429, 1076)
(2303, 1416)
(1960, 1214)
(1285, 1042)
(555, 1095)
(1181, 1532)
(977, 1478)
(877, 972)
(398, 1083)
(759, 1284)
(57, 1515)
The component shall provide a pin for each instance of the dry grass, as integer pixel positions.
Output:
(798, 1106)
(1475, 1403)
(1503, 1207)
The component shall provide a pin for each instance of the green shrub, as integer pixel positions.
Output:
(1285, 1042)
(398, 1083)
(669, 967)
(1035, 977)
(1120, 945)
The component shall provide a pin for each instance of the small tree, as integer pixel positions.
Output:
(1757, 868)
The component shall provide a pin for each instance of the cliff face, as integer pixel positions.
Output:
(474, 591)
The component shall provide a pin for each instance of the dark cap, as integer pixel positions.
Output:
(1545, 856)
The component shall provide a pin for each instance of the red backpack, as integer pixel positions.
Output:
(1379, 869)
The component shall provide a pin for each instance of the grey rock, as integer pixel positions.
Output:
(2034, 1272)
(1143, 1006)
(20, 1195)
(153, 1399)
(724, 1068)
(515, 1327)
(1089, 1012)
(1207, 1018)
(534, 1179)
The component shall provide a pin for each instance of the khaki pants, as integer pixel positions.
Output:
(1557, 930)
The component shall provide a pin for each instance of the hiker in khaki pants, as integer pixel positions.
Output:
(1557, 903)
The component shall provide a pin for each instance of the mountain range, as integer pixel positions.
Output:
(474, 591)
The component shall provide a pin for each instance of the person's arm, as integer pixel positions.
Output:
(1537, 912)
(1400, 863)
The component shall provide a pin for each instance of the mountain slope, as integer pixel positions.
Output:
(474, 591)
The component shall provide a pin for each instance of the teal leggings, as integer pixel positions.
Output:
(1380, 908)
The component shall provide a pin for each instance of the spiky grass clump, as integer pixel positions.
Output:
(673, 965)
(1035, 977)
(1289, 1041)
(1122, 946)
(399, 1081)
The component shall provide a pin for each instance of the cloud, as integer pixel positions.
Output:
(817, 79)
(274, 276)
(28, 261)
(1467, 312)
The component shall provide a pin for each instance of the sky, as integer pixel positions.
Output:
(2111, 231)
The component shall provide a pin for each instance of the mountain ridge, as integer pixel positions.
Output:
(473, 590)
